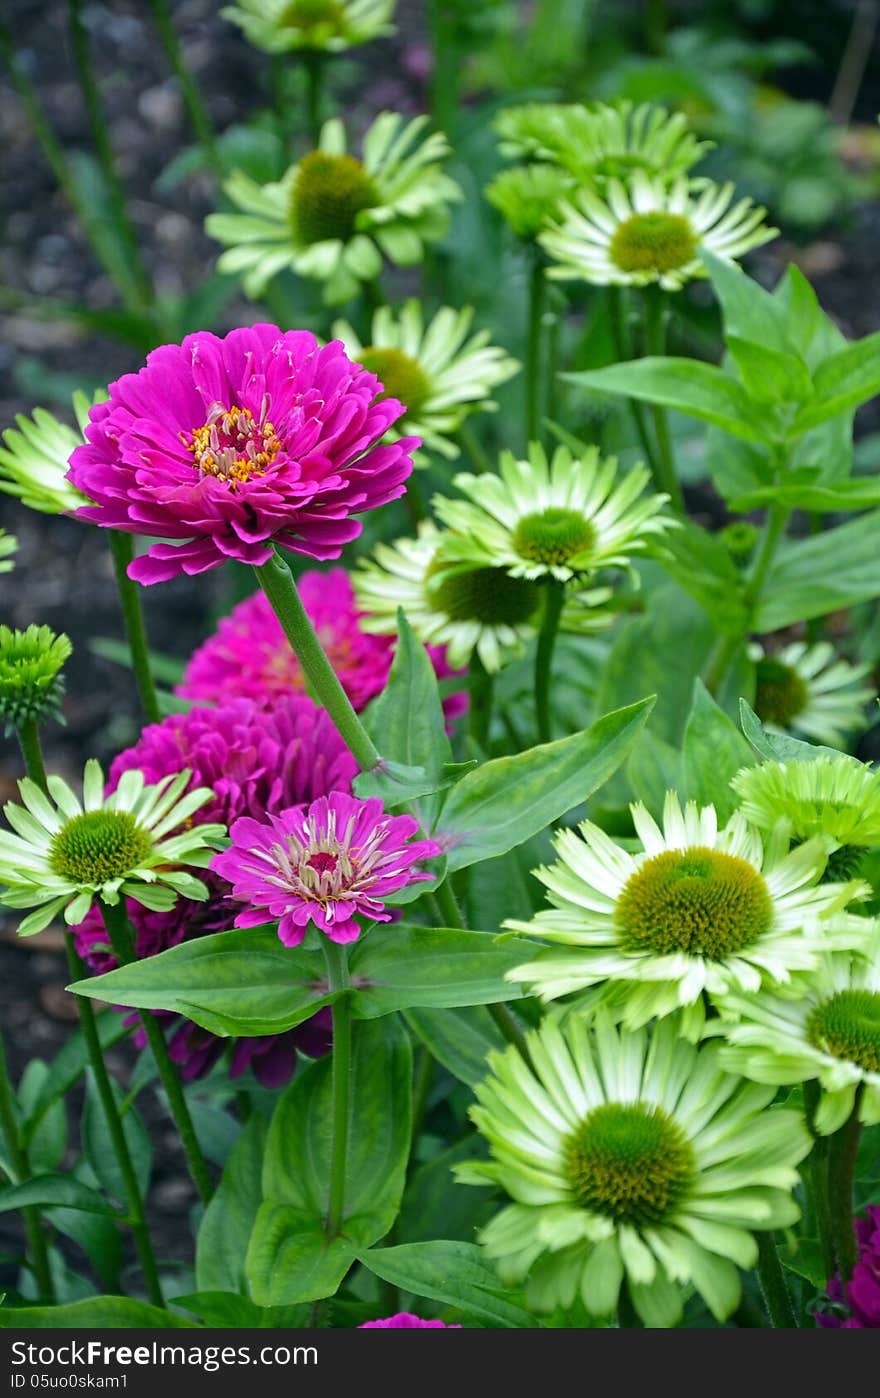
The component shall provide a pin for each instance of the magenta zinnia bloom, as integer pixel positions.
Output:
(250, 656)
(405, 1320)
(254, 760)
(322, 863)
(233, 445)
(862, 1294)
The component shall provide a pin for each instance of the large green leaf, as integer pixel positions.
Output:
(749, 312)
(822, 574)
(98, 1144)
(402, 967)
(458, 1274)
(228, 1220)
(95, 1313)
(848, 378)
(688, 385)
(290, 1259)
(69, 1064)
(778, 747)
(50, 1190)
(699, 563)
(228, 1310)
(509, 799)
(459, 1039)
(713, 752)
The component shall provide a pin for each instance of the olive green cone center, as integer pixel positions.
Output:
(653, 242)
(848, 1026)
(631, 1163)
(400, 375)
(328, 194)
(553, 536)
(98, 846)
(780, 693)
(699, 901)
(310, 14)
(486, 595)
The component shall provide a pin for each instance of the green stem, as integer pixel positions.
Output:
(773, 1285)
(280, 104)
(444, 79)
(195, 107)
(38, 1251)
(315, 68)
(534, 337)
(119, 932)
(32, 752)
(133, 1197)
(554, 600)
(620, 338)
(448, 905)
(510, 1028)
(817, 1177)
(480, 708)
(728, 647)
(277, 582)
(336, 958)
(842, 1150)
(122, 546)
(477, 455)
(655, 337)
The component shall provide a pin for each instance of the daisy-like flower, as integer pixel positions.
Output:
(601, 142)
(697, 909)
(826, 1028)
(8, 546)
(645, 231)
(438, 374)
(231, 446)
(405, 1320)
(325, 863)
(31, 683)
(35, 455)
(838, 797)
(809, 690)
(631, 1157)
(332, 217)
(250, 657)
(65, 854)
(554, 518)
(861, 1295)
(528, 197)
(279, 26)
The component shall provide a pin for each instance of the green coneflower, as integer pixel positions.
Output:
(333, 217)
(31, 683)
(8, 546)
(66, 853)
(439, 374)
(631, 1157)
(528, 197)
(809, 690)
(280, 26)
(35, 457)
(838, 797)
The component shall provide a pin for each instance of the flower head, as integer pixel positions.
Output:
(279, 26)
(31, 683)
(528, 197)
(323, 863)
(558, 518)
(697, 909)
(838, 797)
(861, 1295)
(405, 1320)
(8, 546)
(644, 231)
(630, 1156)
(35, 457)
(809, 690)
(231, 446)
(333, 217)
(66, 853)
(438, 374)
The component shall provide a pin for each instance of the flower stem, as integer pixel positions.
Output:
(817, 1178)
(314, 66)
(478, 458)
(336, 958)
(195, 107)
(480, 708)
(727, 647)
(32, 752)
(842, 1150)
(119, 932)
(33, 1227)
(620, 337)
(537, 289)
(449, 909)
(122, 546)
(655, 338)
(277, 582)
(554, 600)
(444, 78)
(773, 1285)
(110, 1108)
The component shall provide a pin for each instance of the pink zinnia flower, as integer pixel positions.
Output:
(233, 445)
(322, 863)
(255, 760)
(250, 656)
(405, 1320)
(862, 1294)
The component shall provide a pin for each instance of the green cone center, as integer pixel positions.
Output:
(328, 194)
(98, 846)
(487, 595)
(307, 15)
(780, 693)
(552, 536)
(632, 1163)
(848, 1026)
(653, 242)
(698, 901)
(401, 376)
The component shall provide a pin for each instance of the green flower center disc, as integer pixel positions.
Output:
(698, 901)
(780, 693)
(848, 1026)
(312, 14)
(98, 846)
(401, 376)
(328, 194)
(631, 1163)
(552, 536)
(487, 595)
(655, 242)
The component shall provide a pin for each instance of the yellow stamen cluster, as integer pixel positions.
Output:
(233, 446)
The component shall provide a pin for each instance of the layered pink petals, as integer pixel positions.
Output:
(405, 1320)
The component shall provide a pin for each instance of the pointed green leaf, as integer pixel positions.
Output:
(848, 378)
(60, 1190)
(228, 1220)
(822, 574)
(457, 1274)
(778, 747)
(400, 967)
(688, 385)
(713, 752)
(459, 1039)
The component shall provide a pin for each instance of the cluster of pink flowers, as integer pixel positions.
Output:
(405, 1320)
(861, 1295)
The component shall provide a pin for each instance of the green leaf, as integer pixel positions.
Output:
(459, 1039)
(770, 377)
(228, 1310)
(435, 1204)
(688, 385)
(713, 752)
(822, 574)
(63, 1190)
(702, 566)
(778, 747)
(94, 1313)
(241, 982)
(396, 783)
(228, 1220)
(68, 1066)
(750, 313)
(654, 767)
(509, 799)
(801, 491)
(455, 1273)
(289, 1258)
(99, 1237)
(48, 1140)
(98, 1145)
(848, 378)
(401, 967)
